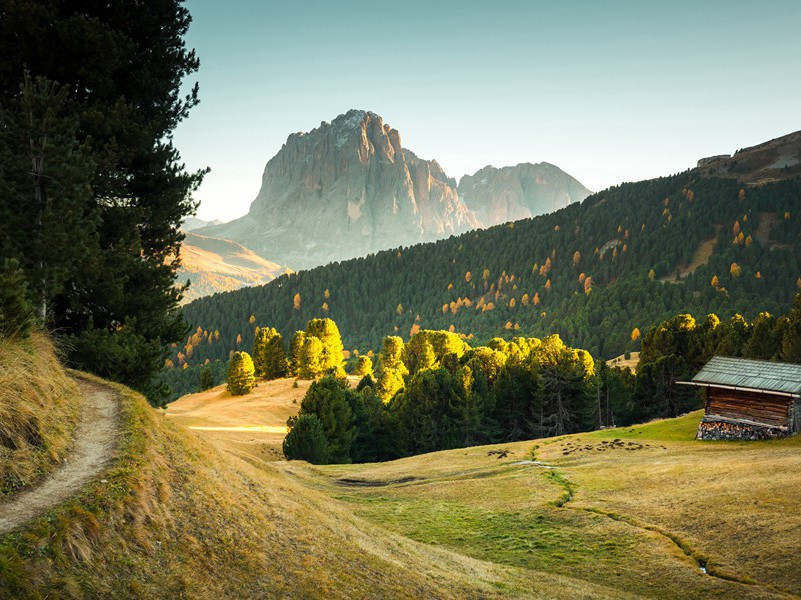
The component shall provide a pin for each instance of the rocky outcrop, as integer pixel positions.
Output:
(347, 189)
(519, 192)
(775, 160)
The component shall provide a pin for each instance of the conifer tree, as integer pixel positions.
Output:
(241, 374)
(392, 368)
(107, 191)
(332, 356)
(364, 367)
(16, 312)
(306, 440)
(295, 346)
(269, 357)
(206, 378)
(310, 365)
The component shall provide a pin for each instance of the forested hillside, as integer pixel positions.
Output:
(596, 273)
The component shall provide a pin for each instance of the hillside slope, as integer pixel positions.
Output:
(774, 160)
(591, 272)
(175, 516)
(646, 510)
(216, 265)
(38, 409)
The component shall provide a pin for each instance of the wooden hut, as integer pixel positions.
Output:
(749, 399)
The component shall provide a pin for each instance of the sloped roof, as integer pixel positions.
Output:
(751, 374)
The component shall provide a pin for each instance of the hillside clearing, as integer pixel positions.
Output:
(700, 257)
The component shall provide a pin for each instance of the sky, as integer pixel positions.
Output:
(609, 91)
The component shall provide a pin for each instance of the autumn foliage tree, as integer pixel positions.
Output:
(241, 374)
(269, 356)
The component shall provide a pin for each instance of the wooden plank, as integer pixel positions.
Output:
(761, 408)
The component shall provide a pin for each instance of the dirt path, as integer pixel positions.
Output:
(92, 450)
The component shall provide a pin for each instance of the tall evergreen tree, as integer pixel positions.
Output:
(116, 69)
(241, 374)
(295, 347)
(310, 365)
(269, 356)
(392, 368)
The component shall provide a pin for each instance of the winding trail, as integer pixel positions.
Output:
(92, 450)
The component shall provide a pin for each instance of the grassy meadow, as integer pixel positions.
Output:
(644, 510)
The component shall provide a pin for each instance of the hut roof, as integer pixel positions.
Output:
(759, 375)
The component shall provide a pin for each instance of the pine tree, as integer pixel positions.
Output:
(306, 440)
(295, 346)
(310, 365)
(392, 368)
(117, 170)
(241, 374)
(364, 367)
(16, 312)
(206, 378)
(332, 356)
(269, 357)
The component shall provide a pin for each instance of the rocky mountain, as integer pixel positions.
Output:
(519, 192)
(346, 189)
(216, 265)
(775, 160)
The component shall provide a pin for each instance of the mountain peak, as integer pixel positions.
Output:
(345, 189)
(498, 195)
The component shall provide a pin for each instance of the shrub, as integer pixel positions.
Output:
(306, 440)
(241, 374)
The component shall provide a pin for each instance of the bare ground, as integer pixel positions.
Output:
(92, 450)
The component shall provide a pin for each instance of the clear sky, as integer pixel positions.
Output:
(609, 91)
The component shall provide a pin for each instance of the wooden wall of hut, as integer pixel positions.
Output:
(762, 408)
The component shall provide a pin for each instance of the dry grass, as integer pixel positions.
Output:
(176, 516)
(614, 514)
(249, 426)
(38, 410)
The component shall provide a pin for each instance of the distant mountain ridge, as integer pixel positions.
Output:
(520, 192)
(346, 189)
(349, 188)
(215, 265)
(775, 160)
(193, 223)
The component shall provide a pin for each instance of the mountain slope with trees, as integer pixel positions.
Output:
(599, 274)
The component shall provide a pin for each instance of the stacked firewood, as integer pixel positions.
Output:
(721, 430)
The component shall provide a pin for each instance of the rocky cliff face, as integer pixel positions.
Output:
(519, 192)
(346, 189)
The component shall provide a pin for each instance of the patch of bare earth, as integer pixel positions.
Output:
(700, 257)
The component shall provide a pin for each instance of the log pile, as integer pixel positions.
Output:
(723, 430)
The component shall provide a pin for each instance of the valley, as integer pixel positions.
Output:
(600, 514)
(502, 336)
